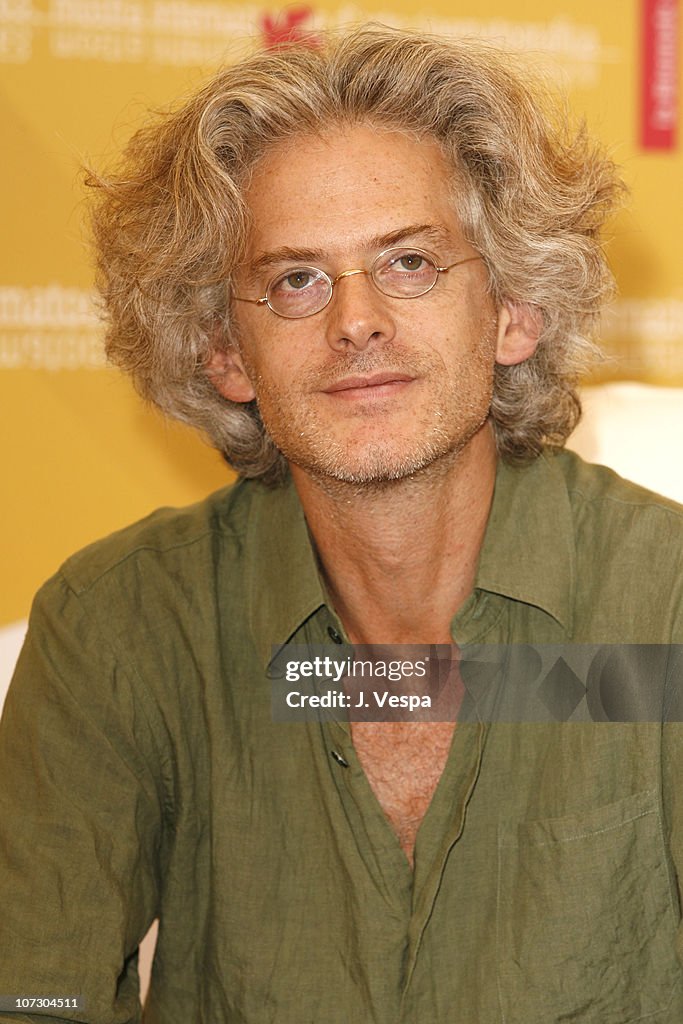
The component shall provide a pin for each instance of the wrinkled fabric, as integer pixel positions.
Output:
(142, 776)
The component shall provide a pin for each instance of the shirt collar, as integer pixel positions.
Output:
(528, 552)
(283, 586)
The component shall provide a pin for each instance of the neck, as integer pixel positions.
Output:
(400, 558)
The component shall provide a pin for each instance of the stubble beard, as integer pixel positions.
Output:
(455, 411)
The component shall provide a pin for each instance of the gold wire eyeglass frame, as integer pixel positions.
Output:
(331, 282)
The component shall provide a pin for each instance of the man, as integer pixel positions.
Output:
(367, 272)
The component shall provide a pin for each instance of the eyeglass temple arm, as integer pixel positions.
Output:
(256, 302)
(458, 263)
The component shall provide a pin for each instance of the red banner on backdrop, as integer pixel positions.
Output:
(289, 26)
(659, 74)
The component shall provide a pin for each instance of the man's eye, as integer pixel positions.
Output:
(411, 261)
(297, 279)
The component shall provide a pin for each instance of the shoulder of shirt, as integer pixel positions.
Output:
(617, 520)
(223, 513)
(592, 484)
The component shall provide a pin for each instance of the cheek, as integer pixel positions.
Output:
(278, 358)
(249, 341)
(467, 339)
(272, 373)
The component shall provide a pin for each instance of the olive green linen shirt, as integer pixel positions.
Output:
(142, 776)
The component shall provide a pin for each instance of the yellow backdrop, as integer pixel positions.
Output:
(81, 454)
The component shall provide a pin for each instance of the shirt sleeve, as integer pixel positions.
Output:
(672, 774)
(80, 821)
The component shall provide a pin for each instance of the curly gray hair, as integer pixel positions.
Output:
(171, 224)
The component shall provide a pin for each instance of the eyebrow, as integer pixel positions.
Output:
(285, 254)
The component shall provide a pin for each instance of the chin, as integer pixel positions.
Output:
(326, 454)
(377, 466)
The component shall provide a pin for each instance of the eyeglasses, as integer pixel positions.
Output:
(401, 273)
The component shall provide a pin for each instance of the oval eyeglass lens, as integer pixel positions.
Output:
(404, 273)
(299, 291)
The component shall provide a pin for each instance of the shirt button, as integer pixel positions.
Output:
(334, 635)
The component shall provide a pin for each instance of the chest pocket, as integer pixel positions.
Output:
(586, 924)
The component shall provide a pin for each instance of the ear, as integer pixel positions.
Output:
(519, 328)
(226, 372)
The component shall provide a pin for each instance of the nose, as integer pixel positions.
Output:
(358, 314)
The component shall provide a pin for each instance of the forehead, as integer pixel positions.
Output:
(332, 193)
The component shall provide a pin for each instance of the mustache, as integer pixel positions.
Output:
(394, 359)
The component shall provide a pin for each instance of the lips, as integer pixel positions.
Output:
(375, 380)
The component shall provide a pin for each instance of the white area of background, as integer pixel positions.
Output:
(634, 429)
